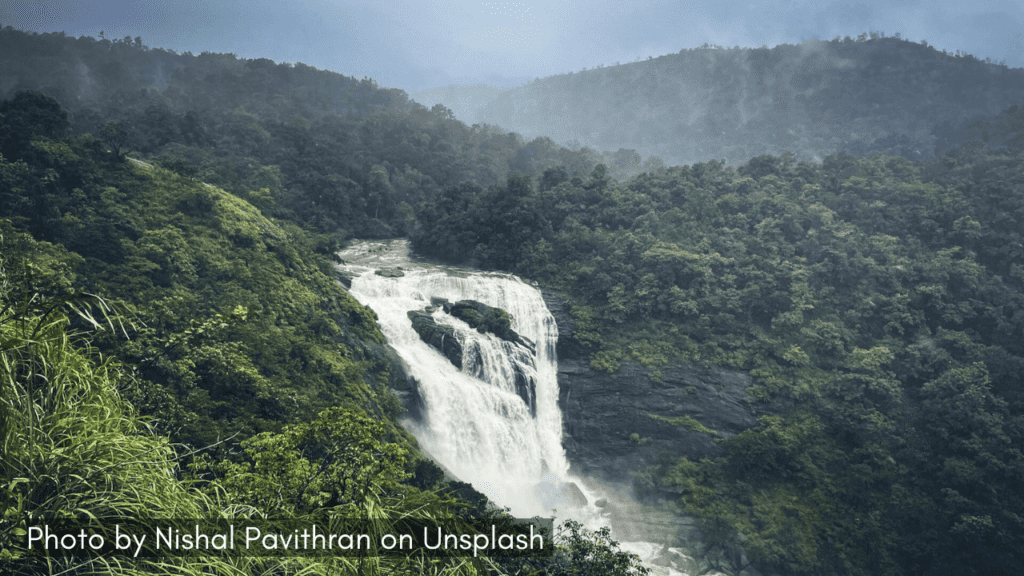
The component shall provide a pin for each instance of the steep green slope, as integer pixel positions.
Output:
(233, 339)
(77, 457)
(240, 323)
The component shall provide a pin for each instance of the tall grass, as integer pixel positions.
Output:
(72, 448)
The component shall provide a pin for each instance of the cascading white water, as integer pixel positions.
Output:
(476, 423)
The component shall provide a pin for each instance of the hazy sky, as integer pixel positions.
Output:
(427, 43)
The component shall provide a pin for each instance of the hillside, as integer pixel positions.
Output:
(342, 155)
(465, 101)
(874, 303)
(174, 340)
(812, 99)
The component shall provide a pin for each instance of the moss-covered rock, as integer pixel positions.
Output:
(486, 319)
(441, 337)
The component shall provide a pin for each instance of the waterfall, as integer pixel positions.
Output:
(494, 421)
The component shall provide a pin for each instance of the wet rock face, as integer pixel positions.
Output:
(408, 393)
(390, 272)
(437, 335)
(483, 318)
(526, 388)
(345, 278)
(607, 419)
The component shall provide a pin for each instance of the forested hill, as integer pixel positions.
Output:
(813, 99)
(876, 302)
(339, 154)
(174, 341)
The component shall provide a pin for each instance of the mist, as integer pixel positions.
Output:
(422, 45)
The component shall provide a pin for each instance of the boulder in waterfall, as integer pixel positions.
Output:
(487, 319)
(571, 495)
(557, 495)
(440, 337)
(408, 392)
(390, 272)
(526, 388)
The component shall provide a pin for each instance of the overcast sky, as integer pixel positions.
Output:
(427, 43)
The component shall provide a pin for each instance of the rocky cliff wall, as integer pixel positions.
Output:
(608, 420)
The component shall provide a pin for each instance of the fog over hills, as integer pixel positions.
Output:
(465, 101)
(813, 99)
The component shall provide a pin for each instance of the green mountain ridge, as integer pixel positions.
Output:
(812, 99)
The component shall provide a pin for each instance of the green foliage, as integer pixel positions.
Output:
(241, 324)
(338, 461)
(72, 446)
(115, 136)
(688, 422)
(338, 154)
(582, 552)
(876, 301)
(485, 319)
(28, 116)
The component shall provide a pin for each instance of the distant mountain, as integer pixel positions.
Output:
(463, 100)
(813, 99)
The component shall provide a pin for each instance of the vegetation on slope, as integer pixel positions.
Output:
(75, 450)
(341, 155)
(241, 325)
(233, 333)
(877, 303)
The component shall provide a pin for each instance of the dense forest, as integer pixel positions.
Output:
(875, 300)
(174, 340)
(869, 94)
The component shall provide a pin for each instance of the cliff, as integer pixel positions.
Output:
(609, 419)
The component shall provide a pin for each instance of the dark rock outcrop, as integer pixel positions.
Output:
(345, 278)
(486, 319)
(437, 335)
(567, 346)
(526, 388)
(608, 426)
(408, 392)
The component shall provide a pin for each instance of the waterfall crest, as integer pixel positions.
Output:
(495, 421)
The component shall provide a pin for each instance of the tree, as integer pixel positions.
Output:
(30, 115)
(582, 552)
(341, 460)
(115, 136)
